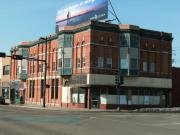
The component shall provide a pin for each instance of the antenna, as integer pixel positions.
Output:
(113, 12)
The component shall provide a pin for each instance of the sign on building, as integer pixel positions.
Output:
(82, 11)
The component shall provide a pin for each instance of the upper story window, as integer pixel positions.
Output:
(133, 64)
(152, 67)
(83, 42)
(145, 66)
(40, 68)
(78, 62)
(125, 39)
(100, 62)
(6, 70)
(109, 62)
(67, 62)
(110, 39)
(61, 40)
(146, 45)
(66, 40)
(153, 46)
(124, 64)
(60, 63)
(54, 68)
(134, 41)
(148, 67)
(83, 61)
(102, 38)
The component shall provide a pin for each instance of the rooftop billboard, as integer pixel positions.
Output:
(82, 11)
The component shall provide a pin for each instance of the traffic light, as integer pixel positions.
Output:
(117, 78)
(17, 57)
(122, 79)
(2, 54)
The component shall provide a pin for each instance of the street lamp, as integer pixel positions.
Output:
(45, 71)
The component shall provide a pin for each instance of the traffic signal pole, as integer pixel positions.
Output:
(45, 70)
(119, 96)
(119, 80)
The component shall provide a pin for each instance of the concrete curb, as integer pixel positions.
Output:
(142, 110)
(159, 110)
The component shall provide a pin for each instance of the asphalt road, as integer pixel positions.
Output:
(26, 121)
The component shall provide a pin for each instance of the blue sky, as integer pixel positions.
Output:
(25, 20)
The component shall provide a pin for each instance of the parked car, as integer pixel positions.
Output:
(2, 100)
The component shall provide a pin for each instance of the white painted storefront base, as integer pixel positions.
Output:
(66, 94)
(135, 100)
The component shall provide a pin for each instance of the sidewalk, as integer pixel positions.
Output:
(58, 108)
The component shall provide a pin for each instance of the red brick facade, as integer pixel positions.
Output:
(95, 59)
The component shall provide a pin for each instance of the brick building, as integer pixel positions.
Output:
(175, 87)
(5, 78)
(82, 62)
(19, 74)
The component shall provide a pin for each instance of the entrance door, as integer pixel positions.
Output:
(12, 96)
(95, 100)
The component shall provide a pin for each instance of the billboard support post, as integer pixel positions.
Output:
(113, 12)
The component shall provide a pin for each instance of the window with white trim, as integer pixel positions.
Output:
(83, 61)
(78, 62)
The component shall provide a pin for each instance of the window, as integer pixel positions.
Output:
(84, 62)
(60, 63)
(6, 70)
(78, 63)
(100, 62)
(78, 43)
(24, 70)
(31, 69)
(110, 39)
(65, 40)
(61, 40)
(42, 88)
(134, 41)
(33, 85)
(53, 66)
(125, 39)
(56, 88)
(67, 62)
(68, 40)
(102, 38)
(152, 67)
(134, 64)
(40, 68)
(83, 42)
(124, 64)
(144, 66)
(31, 88)
(109, 62)
(18, 69)
(52, 89)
